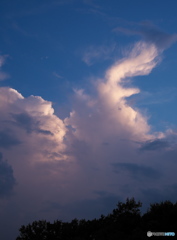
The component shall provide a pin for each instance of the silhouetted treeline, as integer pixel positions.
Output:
(125, 222)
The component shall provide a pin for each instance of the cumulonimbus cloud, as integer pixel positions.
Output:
(101, 147)
(108, 114)
(105, 126)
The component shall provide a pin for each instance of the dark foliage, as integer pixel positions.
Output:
(124, 223)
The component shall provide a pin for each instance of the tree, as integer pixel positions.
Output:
(40, 230)
(161, 217)
(125, 223)
(130, 207)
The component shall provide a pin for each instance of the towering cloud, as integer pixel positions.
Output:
(105, 148)
(108, 137)
(30, 122)
(109, 114)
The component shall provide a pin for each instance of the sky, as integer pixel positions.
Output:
(88, 90)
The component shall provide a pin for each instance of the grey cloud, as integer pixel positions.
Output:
(25, 121)
(3, 75)
(151, 34)
(7, 139)
(161, 39)
(7, 178)
(45, 132)
(106, 202)
(157, 144)
(28, 123)
(101, 193)
(88, 208)
(137, 171)
(152, 195)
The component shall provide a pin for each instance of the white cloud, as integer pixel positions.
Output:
(110, 115)
(111, 131)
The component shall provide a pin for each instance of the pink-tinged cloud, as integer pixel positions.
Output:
(32, 121)
(105, 130)
(105, 150)
(109, 113)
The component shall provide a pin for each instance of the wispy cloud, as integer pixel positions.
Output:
(151, 34)
(150, 98)
(57, 75)
(22, 31)
(97, 53)
(2, 59)
(3, 75)
(91, 3)
(38, 9)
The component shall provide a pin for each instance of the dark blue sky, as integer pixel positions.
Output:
(88, 90)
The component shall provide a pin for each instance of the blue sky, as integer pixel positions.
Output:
(44, 40)
(88, 91)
